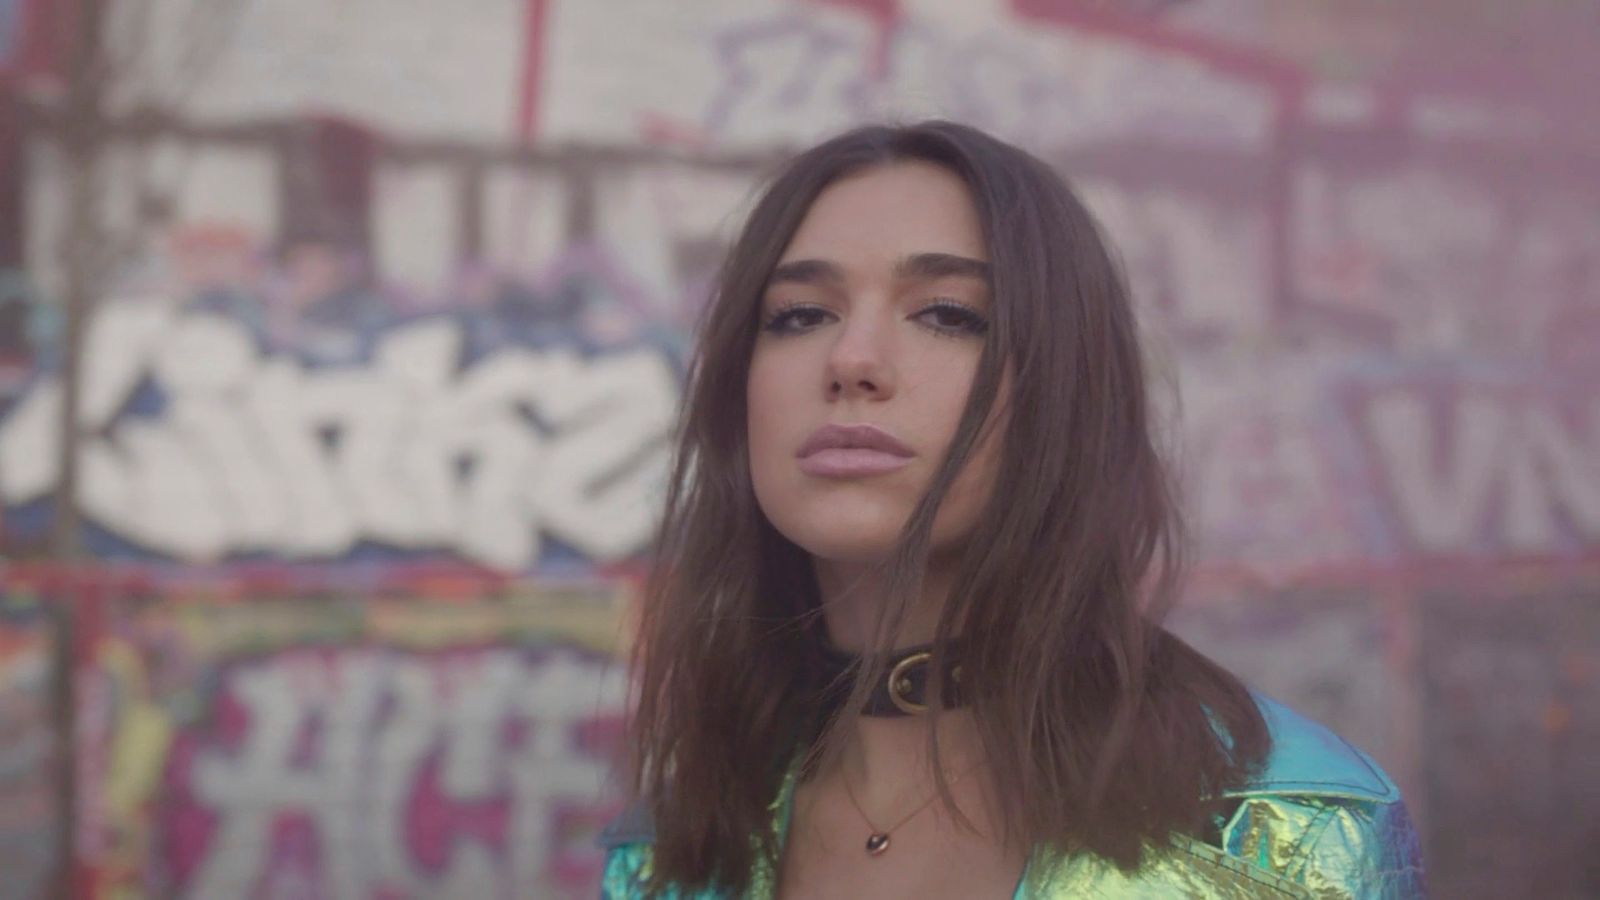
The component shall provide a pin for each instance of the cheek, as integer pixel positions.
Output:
(935, 385)
(962, 507)
(974, 486)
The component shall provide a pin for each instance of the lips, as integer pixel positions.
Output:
(849, 451)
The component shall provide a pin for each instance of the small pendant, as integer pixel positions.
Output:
(877, 844)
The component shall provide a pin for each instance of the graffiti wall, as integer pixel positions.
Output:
(28, 803)
(448, 743)
(209, 446)
(372, 326)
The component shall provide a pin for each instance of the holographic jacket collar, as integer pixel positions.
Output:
(1322, 820)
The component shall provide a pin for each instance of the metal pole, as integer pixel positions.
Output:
(82, 248)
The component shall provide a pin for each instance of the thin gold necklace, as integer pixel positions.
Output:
(878, 840)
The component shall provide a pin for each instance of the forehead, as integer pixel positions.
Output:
(888, 212)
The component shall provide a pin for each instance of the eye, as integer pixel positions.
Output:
(795, 318)
(950, 317)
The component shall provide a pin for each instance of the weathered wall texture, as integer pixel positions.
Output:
(408, 288)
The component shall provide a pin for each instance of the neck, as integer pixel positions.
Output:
(854, 598)
(893, 752)
(887, 757)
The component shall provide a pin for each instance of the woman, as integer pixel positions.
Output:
(903, 639)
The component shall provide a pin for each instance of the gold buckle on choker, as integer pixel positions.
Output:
(900, 685)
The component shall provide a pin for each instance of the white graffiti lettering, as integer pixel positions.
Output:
(399, 742)
(788, 78)
(255, 452)
(1538, 469)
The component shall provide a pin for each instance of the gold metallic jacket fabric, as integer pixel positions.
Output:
(1321, 821)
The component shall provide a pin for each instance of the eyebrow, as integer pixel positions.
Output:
(915, 266)
(941, 265)
(806, 271)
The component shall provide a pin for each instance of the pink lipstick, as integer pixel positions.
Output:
(852, 451)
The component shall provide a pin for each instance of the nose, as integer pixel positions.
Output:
(860, 363)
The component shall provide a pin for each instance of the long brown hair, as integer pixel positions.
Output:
(1105, 734)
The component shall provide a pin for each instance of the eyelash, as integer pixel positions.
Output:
(971, 322)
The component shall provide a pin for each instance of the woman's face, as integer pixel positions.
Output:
(871, 329)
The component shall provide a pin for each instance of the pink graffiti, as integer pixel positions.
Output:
(358, 773)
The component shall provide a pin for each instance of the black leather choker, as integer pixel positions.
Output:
(902, 690)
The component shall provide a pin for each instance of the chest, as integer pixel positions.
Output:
(928, 858)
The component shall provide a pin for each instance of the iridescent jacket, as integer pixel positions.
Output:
(1320, 821)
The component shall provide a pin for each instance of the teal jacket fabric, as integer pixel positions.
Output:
(1321, 820)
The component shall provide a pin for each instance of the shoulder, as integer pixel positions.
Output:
(628, 842)
(629, 845)
(1319, 818)
(1322, 814)
(1307, 757)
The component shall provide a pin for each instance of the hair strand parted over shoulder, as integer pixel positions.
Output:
(1105, 733)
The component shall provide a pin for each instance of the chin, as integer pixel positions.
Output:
(838, 536)
(843, 549)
